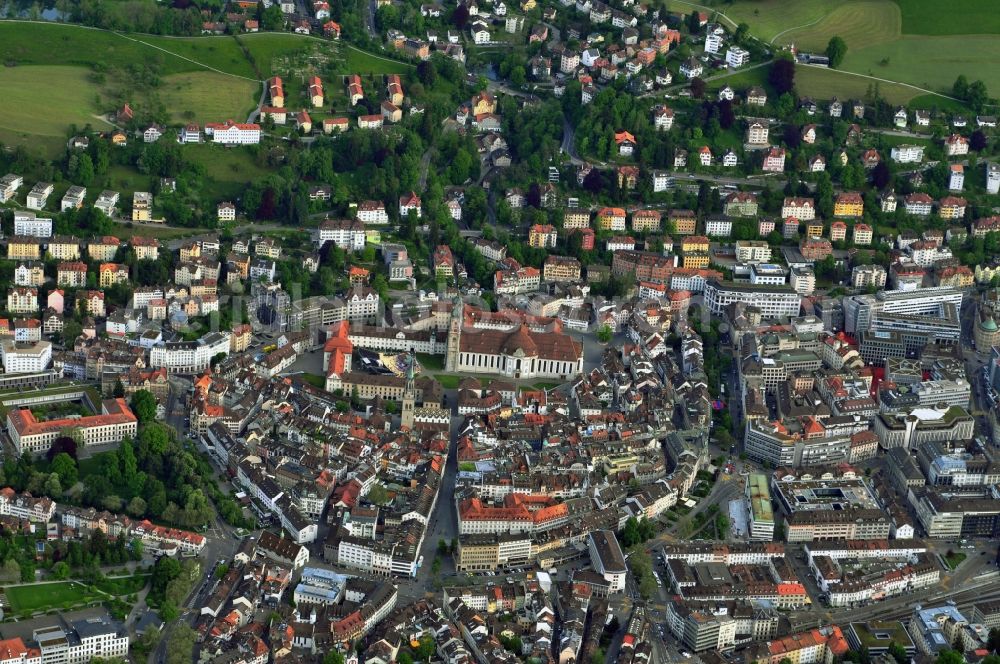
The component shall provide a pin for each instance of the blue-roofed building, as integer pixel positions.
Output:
(319, 586)
(934, 629)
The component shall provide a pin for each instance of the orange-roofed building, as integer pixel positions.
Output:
(28, 434)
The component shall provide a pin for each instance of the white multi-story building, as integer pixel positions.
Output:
(768, 274)
(115, 422)
(39, 195)
(189, 356)
(773, 301)
(226, 211)
(233, 133)
(73, 198)
(80, 641)
(372, 212)
(752, 251)
(907, 154)
(9, 184)
(607, 558)
(28, 223)
(993, 178)
(803, 209)
(25, 357)
(661, 181)
(737, 57)
(757, 132)
(718, 227)
(956, 177)
(344, 233)
(866, 276)
(107, 201)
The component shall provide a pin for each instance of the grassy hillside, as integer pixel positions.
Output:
(42, 101)
(57, 44)
(769, 18)
(861, 24)
(205, 96)
(931, 62)
(925, 43)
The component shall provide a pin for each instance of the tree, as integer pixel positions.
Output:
(950, 657)
(136, 507)
(378, 494)
(144, 405)
(63, 444)
(976, 96)
(182, 640)
(426, 648)
(605, 333)
(512, 644)
(64, 466)
(961, 87)
(697, 88)
(60, 570)
(836, 49)
(271, 18)
(977, 141)
(10, 572)
(333, 657)
(781, 75)
(898, 653)
(119, 390)
(741, 34)
(881, 175)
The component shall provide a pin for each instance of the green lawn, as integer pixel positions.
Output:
(43, 596)
(821, 83)
(126, 181)
(448, 382)
(222, 164)
(206, 96)
(431, 362)
(315, 380)
(45, 101)
(159, 232)
(940, 103)
(955, 559)
(956, 17)
(361, 62)
(124, 585)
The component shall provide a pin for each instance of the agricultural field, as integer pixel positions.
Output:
(770, 18)
(47, 100)
(861, 24)
(956, 17)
